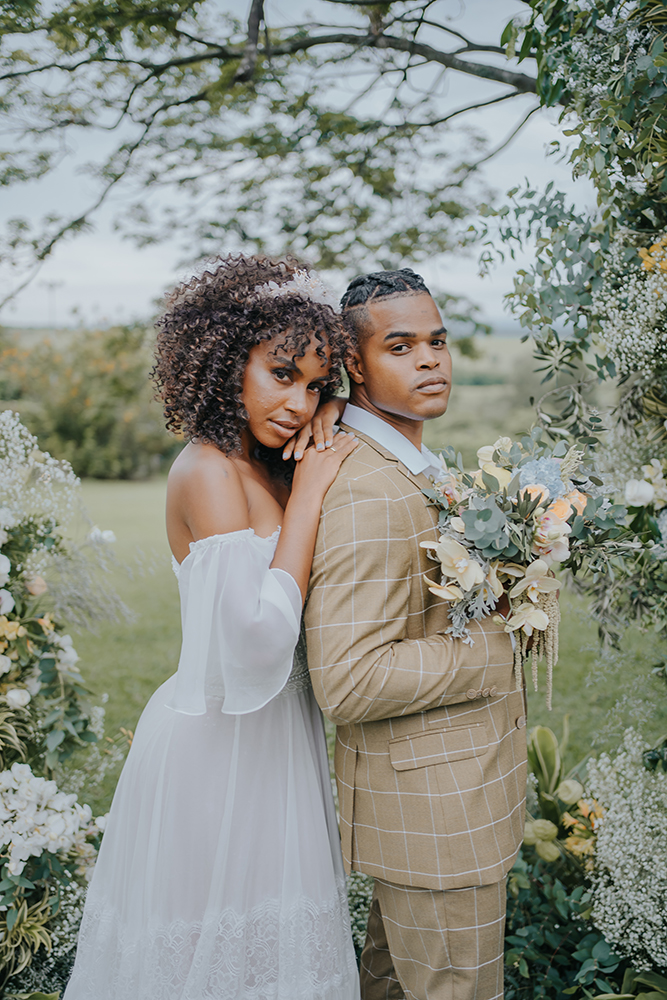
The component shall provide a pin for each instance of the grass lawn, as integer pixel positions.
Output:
(129, 660)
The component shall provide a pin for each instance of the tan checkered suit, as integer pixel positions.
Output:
(431, 750)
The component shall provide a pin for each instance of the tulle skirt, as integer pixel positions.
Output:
(220, 874)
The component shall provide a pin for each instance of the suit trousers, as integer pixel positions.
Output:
(426, 944)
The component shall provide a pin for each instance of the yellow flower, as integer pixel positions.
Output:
(504, 476)
(536, 581)
(493, 581)
(580, 846)
(577, 500)
(455, 562)
(527, 617)
(561, 508)
(11, 630)
(535, 490)
(447, 592)
(458, 524)
(46, 624)
(37, 586)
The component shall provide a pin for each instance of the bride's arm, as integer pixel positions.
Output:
(313, 476)
(211, 500)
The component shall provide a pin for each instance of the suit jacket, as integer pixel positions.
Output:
(431, 742)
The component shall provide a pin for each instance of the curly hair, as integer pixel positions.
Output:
(210, 325)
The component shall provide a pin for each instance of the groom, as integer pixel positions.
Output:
(431, 748)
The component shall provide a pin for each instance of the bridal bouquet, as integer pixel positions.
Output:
(505, 527)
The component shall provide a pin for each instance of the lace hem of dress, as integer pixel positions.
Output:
(272, 952)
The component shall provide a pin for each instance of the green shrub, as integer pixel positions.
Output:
(551, 950)
(88, 398)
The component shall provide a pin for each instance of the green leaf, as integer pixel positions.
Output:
(54, 739)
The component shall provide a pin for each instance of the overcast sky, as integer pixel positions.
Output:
(106, 278)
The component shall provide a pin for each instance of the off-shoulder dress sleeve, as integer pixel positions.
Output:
(240, 621)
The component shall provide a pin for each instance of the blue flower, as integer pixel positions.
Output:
(545, 472)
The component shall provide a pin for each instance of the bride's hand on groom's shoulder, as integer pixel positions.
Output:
(320, 429)
(317, 469)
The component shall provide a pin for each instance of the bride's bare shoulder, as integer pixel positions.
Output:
(205, 491)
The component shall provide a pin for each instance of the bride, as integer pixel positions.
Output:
(220, 874)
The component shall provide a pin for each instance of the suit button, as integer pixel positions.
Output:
(486, 692)
(471, 694)
(521, 722)
(494, 691)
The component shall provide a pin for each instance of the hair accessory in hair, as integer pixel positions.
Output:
(303, 283)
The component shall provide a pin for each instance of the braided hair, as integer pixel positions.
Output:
(377, 285)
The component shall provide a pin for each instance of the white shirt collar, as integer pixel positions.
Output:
(379, 430)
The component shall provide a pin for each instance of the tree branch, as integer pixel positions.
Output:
(77, 223)
(461, 111)
(246, 68)
(521, 82)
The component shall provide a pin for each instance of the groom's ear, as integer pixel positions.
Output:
(354, 367)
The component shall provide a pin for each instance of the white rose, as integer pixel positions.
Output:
(6, 602)
(503, 444)
(485, 454)
(22, 772)
(33, 683)
(638, 493)
(101, 822)
(17, 697)
(5, 567)
(68, 657)
(5, 664)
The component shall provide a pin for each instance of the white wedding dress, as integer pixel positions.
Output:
(220, 874)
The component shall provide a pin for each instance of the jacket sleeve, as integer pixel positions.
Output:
(363, 666)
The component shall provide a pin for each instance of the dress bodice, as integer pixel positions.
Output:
(241, 621)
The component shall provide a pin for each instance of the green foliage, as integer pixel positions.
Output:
(255, 132)
(633, 986)
(49, 840)
(551, 950)
(606, 64)
(89, 400)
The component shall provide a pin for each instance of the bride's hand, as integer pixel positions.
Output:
(317, 469)
(320, 429)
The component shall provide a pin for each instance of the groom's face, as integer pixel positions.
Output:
(403, 367)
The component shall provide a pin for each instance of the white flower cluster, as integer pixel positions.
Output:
(36, 817)
(588, 63)
(631, 306)
(629, 881)
(31, 481)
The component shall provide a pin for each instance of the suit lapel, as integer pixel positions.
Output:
(419, 479)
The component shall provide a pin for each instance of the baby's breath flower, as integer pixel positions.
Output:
(630, 871)
(631, 305)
